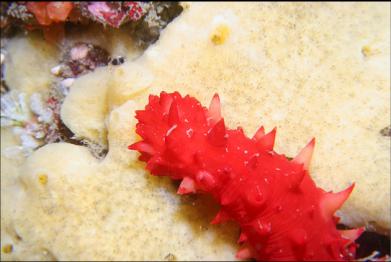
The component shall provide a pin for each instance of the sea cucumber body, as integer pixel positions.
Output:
(281, 212)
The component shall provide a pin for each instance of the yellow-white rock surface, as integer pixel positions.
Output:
(310, 69)
(71, 206)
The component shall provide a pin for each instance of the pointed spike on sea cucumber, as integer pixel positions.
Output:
(254, 196)
(296, 180)
(267, 141)
(336, 219)
(216, 135)
(177, 95)
(242, 238)
(352, 234)
(240, 130)
(205, 180)
(244, 253)
(151, 98)
(142, 146)
(173, 114)
(259, 134)
(331, 202)
(305, 155)
(220, 217)
(165, 101)
(187, 186)
(215, 109)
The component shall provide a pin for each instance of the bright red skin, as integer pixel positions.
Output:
(281, 212)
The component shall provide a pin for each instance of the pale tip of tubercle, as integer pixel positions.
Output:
(217, 134)
(331, 202)
(266, 142)
(173, 114)
(352, 234)
(271, 137)
(259, 134)
(244, 253)
(187, 186)
(305, 155)
(215, 109)
(242, 238)
(143, 147)
(220, 217)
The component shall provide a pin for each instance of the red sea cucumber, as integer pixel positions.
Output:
(282, 214)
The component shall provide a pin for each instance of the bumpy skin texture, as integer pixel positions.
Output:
(281, 212)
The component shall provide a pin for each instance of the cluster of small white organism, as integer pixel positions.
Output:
(29, 119)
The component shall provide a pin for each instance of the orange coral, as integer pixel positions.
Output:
(48, 12)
